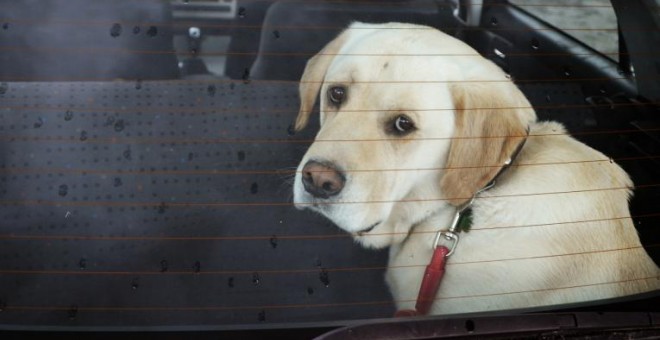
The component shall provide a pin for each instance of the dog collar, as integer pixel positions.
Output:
(462, 221)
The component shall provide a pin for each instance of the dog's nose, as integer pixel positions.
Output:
(322, 180)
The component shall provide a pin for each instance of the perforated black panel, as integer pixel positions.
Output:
(563, 102)
(166, 204)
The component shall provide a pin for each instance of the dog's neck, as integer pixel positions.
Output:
(439, 219)
(462, 220)
(424, 231)
(442, 216)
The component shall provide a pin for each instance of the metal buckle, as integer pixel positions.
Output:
(449, 236)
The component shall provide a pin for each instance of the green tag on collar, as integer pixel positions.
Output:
(465, 221)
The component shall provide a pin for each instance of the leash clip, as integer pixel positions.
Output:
(451, 235)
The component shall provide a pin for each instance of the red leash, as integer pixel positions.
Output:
(435, 270)
(430, 284)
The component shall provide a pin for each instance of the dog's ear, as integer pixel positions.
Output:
(313, 76)
(491, 121)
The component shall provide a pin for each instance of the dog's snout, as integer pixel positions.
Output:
(322, 180)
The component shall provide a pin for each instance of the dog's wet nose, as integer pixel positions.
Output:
(322, 180)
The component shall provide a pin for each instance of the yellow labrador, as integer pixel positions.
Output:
(413, 124)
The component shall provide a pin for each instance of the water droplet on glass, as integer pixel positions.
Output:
(255, 278)
(163, 266)
(110, 121)
(138, 84)
(118, 182)
(508, 76)
(127, 153)
(232, 86)
(499, 53)
(72, 313)
(152, 31)
(82, 264)
(262, 316)
(197, 267)
(567, 71)
(611, 160)
(191, 156)
(162, 208)
(38, 123)
(318, 262)
(493, 21)
(535, 44)
(194, 32)
(68, 115)
(230, 282)
(83, 135)
(136, 29)
(276, 34)
(547, 98)
(186, 1)
(211, 90)
(63, 190)
(254, 188)
(242, 12)
(5, 26)
(324, 277)
(135, 283)
(241, 155)
(3, 88)
(291, 130)
(596, 100)
(273, 241)
(115, 30)
(310, 290)
(246, 76)
(119, 125)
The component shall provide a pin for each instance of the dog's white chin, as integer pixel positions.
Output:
(352, 219)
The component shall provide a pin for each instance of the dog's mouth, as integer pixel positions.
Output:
(367, 230)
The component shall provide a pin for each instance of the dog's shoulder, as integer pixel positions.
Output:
(557, 178)
(551, 155)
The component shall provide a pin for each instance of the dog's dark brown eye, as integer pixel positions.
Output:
(402, 125)
(337, 94)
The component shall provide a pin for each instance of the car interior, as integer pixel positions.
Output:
(148, 152)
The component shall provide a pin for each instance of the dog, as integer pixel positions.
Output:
(415, 124)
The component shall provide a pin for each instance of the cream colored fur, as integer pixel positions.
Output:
(523, 249)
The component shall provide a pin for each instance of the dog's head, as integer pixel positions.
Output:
(412, 120)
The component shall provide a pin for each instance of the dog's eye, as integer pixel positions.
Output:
(337, 94)
(402, 125)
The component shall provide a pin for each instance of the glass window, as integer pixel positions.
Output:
(593, 22)
(156, 168)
